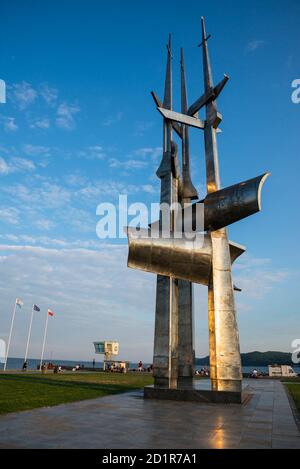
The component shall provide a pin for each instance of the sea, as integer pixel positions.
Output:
(33, 364)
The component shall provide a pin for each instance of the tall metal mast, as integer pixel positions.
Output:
(165, 360)
(225, 360)
(186, 310)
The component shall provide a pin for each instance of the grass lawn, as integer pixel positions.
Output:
(294, 390)
(28, 391)
(294, 379)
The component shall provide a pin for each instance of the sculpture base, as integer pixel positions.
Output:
(199, 391)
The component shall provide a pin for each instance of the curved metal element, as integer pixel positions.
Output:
(229, 205)
(178, 258)
(236, 250)
(226, 206)
(171, 257)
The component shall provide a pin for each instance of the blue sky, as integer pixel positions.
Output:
(79, 127)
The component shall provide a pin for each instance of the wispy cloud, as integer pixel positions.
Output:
(94, 152)
(50, 242)
(35, 150)
(113, 119)
(254, 44)
(65, 116)
(48, 93)
(45, 224)
(22, 164)
(10, 124)
(4, 168)
(111, 189)
(75, 179)
(148, 188)
(40, 123)
(142, 127)
(15, 164)
(23, 94)
(151, 152)
(127, 164)
(9, 215)
(89, 296)
(46, 195)
(257, 276)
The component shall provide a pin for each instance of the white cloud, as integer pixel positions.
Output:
(41, 123)
(152, 152)
(23, 94)
(48, 93)
(22, 164)
(9, 215)
(81, 220)
(111, 189)
(93, 152)
(46, 241)
(46, 195)
(256, 276)
(45, 224)
(254, 44)
(36, 150)
(127, 164)
(75, 179)
(148, 188)
(142, 127)
(10, 124)
(113, 119)
(80, 286)
(4, 168)
(65, 116)
(94, 295)
(15, 164)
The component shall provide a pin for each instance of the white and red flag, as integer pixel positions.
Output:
(19, 302)
(50, 313)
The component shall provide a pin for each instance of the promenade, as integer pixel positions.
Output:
(128, 421)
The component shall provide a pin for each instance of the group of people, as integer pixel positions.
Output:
(50, 366)
(115, 368)
(44, 367)
(257, 373)
(142, 368)
(77, 367)
(203, 372)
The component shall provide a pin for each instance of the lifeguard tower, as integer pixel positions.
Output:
(108, 348)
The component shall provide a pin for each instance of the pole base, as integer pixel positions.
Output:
(199, 391)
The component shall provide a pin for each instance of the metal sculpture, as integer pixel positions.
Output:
(179, 263)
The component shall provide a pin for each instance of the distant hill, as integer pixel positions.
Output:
(257, 359)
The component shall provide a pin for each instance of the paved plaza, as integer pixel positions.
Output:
(128, 421)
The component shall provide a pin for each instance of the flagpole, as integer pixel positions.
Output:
(10, 333)
(29, 334)
(44, 341)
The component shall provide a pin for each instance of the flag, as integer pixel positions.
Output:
(36, 308)
(50, 313)
(19, 302)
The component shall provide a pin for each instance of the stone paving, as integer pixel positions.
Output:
(129, 421)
